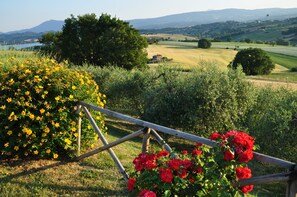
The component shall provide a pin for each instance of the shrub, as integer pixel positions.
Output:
(294, 69)
(204, 43)
(124, 89)
(201, 101)
(254, 61)
(273, 120)
(37, 100)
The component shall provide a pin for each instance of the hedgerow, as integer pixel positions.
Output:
(37, 100)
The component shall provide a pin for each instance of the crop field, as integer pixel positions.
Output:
(188, 56)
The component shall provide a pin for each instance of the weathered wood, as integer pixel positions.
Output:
(272, 160)
(156, 127)
(104, 141)
(146, 141)
(292, 185)
(285, 176)
(257, 156)
(161, 141)
(79, 135)
(110, 145)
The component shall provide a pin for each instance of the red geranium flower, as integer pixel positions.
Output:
(247, 188)
(196, 152)
(184, 152)
(228, 155)
(131, 183)
(163, 153)
(166, 175)
(182, 173)
(243, 173)
(214, 136)
(246, 156)
(147, 193)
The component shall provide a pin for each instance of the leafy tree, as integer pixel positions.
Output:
(98, 41)
(254, 61)
(204, 43)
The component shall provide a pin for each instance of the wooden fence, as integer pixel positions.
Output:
(151, 130)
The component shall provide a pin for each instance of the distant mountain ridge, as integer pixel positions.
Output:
(183, 20)
(51, 25)
(213, 16)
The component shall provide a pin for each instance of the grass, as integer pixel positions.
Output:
(21, 55)
(284, 60)
(93, 176)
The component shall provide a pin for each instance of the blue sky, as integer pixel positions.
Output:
(21, 14)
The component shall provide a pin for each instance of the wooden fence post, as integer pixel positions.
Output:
(146, 140)
(292, 184)
(79, 134)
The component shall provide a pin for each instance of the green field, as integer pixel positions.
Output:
(284, 60)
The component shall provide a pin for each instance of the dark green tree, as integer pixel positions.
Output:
(98, 41)
(254, 61)
(204, 43)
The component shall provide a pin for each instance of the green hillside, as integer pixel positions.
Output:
(281, 32)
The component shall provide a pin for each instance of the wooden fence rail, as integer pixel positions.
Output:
(150, 130)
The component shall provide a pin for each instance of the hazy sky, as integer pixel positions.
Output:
(21, 14)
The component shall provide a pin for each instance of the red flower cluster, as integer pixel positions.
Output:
(131, 184)
(244, 173)
(145, 161)
(238, 144)
(147, 193)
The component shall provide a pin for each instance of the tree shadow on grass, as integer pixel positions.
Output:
(93, 190)
(66, 189)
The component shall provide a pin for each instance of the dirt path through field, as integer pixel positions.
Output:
(273, 84)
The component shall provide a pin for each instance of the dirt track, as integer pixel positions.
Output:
(273, 84)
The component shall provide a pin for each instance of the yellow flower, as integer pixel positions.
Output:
(9, 100)
(57, 98)
(23, 113)
(60, 110)
(56, 156)
(11, 81)
(71, 96)
(45, 92)
(16, 148)
(9, 132)
(57, 125)
(73, 129)
(31, 116)
(73, 87)
(42, 111)
(6, 145)
(27, 131)
(35, 152)
(47, 130)
(73, 123)
(3, 107)
(43, 135)
(48, 114)
(27, 93)
(48, 151)
(38, 118)
(67, 141)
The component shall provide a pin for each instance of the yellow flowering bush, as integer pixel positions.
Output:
(37, 100)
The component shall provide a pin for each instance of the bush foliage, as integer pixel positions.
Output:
(204, 43)
(254, 61)
(37, 100)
